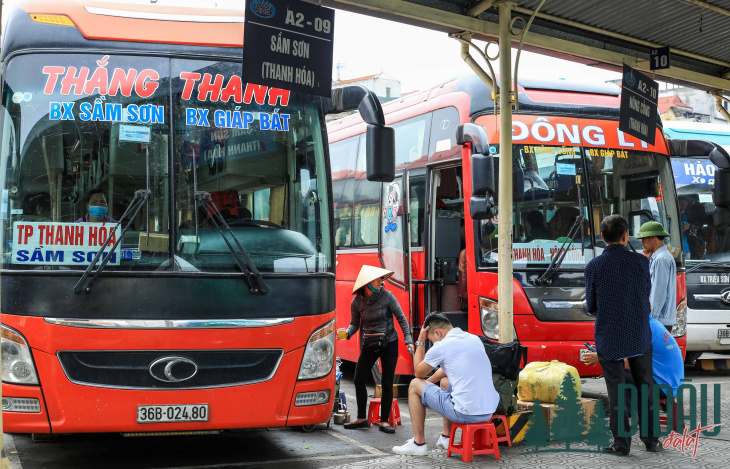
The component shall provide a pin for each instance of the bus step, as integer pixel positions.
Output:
(182, 433)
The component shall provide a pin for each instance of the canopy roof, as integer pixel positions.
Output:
(601, 33)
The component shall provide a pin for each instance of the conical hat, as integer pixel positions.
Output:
(367, 274)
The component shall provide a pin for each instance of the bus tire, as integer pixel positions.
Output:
(307, 428)
(691, 357)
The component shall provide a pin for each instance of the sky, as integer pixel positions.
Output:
(418, 57)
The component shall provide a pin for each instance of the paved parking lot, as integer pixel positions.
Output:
(340, 448)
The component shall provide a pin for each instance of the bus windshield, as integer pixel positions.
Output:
(561, 194)
(83, 133)
(702, 241)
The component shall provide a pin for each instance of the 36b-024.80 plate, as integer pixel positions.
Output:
(172, 413)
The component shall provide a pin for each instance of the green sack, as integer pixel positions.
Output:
(507, 390)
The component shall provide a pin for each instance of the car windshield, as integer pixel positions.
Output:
(702, 240)
(82, 133)
(554, 185)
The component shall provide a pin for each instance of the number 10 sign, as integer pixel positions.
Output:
(659, 58)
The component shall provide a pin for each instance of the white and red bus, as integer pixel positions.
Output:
(211, 305)
(572, 167)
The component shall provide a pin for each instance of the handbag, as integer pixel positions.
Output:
(374, 343)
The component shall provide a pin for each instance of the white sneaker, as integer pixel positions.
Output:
(442, 442)
(411, 448)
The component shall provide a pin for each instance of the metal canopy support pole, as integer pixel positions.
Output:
(506, 326)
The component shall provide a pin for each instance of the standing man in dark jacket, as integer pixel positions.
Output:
(617, 292)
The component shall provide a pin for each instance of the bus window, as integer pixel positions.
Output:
(702, 240)
(342, 162)
(366, 215)
(267, 181)
(442, 145)
(76, 152)
(632, 185)
(411, 141)
(549, 194)
(417, 207)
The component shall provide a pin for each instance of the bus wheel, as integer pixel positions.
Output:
(691, 357)
(307, 428)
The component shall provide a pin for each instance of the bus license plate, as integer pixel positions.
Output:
(172, 413)
(723, 333)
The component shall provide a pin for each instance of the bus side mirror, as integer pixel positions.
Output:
(481, 205)
(722, 188)
(380, 149)
(481, 208)
(700, 149)
(380, 139)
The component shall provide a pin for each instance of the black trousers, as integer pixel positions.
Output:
(388, 360)
(642, 372)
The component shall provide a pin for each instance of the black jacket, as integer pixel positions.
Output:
(375, 316)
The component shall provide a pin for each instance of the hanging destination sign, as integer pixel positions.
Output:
(288, 44)
(638, 111)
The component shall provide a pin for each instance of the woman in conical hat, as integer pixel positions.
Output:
(372, 311)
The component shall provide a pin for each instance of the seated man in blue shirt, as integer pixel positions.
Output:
(666, 357)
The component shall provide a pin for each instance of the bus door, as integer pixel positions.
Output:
(394, 245)
(445, 243)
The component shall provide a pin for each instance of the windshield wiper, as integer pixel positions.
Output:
(251, 273)
(560, 256)
(708, 264)
(140, 197)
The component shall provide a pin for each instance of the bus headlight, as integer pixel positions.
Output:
(17, 361)
(319, 356)
(489, 318)
(680, 328)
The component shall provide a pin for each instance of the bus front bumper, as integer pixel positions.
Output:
(74, 408)
(706, 337)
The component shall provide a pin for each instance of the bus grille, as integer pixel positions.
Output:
(173, 369)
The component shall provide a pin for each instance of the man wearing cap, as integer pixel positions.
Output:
(663, 270)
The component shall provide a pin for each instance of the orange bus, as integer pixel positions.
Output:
(166, 228)
(572, 167)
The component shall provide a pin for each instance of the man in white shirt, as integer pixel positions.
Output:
(466, 394)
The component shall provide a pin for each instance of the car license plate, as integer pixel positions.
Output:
(583, 351)
(723, 333)
(172, 413)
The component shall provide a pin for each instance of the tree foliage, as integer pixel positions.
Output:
(537, 432)
(568, 424)
(599, 431)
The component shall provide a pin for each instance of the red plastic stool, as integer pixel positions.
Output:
(663, 420)
(476, 438)
(374, 412)
(505, 422)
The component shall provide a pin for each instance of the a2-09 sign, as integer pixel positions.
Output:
(288, 44)
(638, 112)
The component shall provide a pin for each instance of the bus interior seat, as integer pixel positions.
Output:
(697, 215)
(562, 220)
(564, 184)
(721, 219)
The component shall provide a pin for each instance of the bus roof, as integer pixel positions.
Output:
(544, 97)
(685, 130)
(137, 27)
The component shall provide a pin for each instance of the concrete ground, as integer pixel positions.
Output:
(340, 448)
